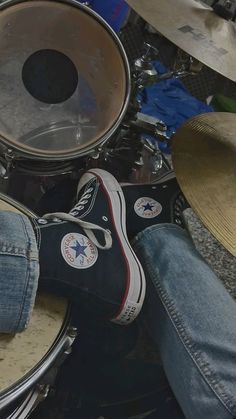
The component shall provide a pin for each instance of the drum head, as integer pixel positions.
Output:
(23, 353)
(64, 79)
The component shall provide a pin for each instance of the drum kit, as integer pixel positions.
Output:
(68, 102)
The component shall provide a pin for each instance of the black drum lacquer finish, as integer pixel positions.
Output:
(46, 187)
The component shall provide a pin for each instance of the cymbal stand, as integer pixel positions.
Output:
(144, 74)
(132, 139)
(137, 127)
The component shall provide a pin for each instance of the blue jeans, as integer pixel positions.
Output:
(19, 271)
(192, 319)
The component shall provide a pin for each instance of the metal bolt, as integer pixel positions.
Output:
(73, 332)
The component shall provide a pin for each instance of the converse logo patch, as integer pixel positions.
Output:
(78, 251)
(147, 207)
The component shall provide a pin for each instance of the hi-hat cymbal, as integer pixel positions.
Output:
(204, 158)
(195, 28)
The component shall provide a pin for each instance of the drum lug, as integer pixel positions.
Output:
(6, 164)
(9, 154)
(72, 332)
(71, 335)
(43, 390)
(96, 153)
(3, 170)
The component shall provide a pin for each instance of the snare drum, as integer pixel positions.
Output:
(64, 85)
(27, 357)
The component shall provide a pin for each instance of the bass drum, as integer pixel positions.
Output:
(29, 360)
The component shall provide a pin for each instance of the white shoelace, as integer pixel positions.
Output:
(87, 227)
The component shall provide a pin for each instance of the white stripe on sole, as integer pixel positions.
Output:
(131, 306)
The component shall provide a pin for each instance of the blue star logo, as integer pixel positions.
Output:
(79, 249)
(148, 207)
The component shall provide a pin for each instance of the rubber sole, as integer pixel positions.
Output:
(136, 284)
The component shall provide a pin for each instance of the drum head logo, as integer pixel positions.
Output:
(147, 207)
(78, 251)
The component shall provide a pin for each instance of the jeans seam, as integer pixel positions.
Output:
(28, 274)
(37, 232)
(149, 230)
(195, 354)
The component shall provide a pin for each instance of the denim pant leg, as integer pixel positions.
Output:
(192, 319)
(19, 271)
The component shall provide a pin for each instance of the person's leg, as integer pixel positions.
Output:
(192, 319)
(19, 271)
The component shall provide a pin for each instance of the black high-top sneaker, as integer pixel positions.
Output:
(155, 203)
(85, 255)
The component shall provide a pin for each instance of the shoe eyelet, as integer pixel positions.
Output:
(74, 213)
(177, 207)
(42, 221)
(104, 218)
(182, 200)
(178, 202)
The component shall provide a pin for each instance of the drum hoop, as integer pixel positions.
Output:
(27, 405)
(63, 340)
(74, 153)
(20, 206)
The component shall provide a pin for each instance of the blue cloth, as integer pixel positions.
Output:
(19, 271)
(192, 319)
(114, 12)
(171, 102)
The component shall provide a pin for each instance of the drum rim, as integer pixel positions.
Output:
(25, 383)
(29, 379)
(20, 206)
(87, 149)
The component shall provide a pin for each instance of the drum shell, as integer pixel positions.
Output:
(44, 187)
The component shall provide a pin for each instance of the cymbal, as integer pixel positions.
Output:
(204, 159)
(196, 29)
